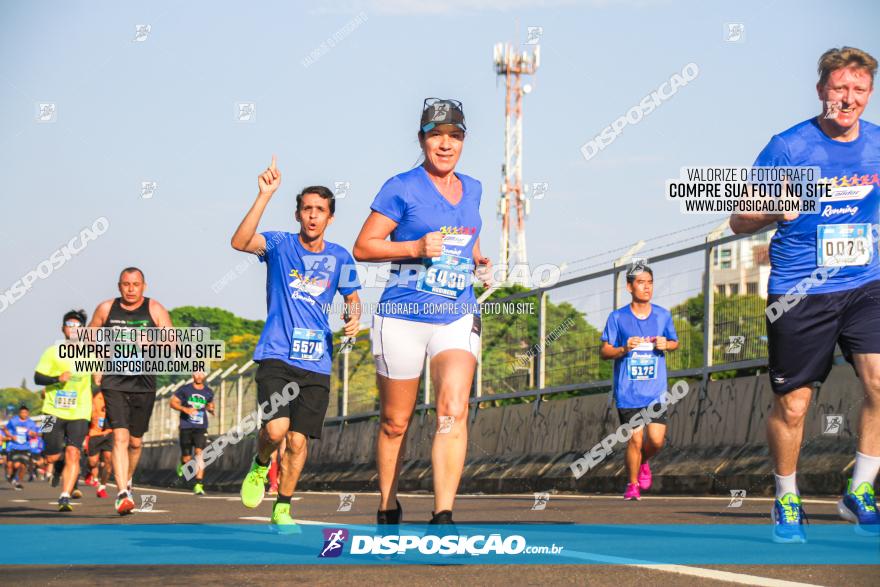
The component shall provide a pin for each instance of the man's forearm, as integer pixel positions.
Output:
(248, 227)
(41, 379)
(614, 354)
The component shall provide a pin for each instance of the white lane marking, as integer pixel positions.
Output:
(303, 522)
(314, 523)
(140, 511)
(728, 576)
(739, 578)
(71, 503)
(531, 496)
(149, 490)
(227, 498)
(19, 500)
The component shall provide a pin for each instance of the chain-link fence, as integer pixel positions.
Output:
(546, 341)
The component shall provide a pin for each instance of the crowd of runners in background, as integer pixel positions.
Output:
(430, 216)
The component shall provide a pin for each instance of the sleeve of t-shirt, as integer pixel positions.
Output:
(669, 331)
(273, 237)
(209, 394)
(610, 333)
(775, 154)
(390, 200)
(179, 394)
(348, 277)
(47, 364)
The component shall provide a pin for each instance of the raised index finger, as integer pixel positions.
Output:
(272, 166)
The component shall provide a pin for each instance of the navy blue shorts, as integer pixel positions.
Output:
(802, 340)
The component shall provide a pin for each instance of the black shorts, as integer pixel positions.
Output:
(801, 340)
(100, 443)
(626, 414)
(130, 410)
(191, 438)
(65, 433)
(20, 456)
(308, 408)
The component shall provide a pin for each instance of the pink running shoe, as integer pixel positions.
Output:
(645, 477)
(632, 492)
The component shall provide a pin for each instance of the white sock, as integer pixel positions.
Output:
(866, 469)
(65, 494)
(786, 484)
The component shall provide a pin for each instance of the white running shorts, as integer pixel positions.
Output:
(399, 346)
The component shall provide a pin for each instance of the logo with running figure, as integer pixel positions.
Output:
(47, 425)
(833, 424)
(533, 35)
(346, 501)
(736, 498)
(334, 541)
(441, 112)
(147, 503)
(736, 345)
(541, 501)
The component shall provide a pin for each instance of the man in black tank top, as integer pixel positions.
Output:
(129, 398)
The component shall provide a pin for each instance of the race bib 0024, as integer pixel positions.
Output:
(307, 344)
(843, 245)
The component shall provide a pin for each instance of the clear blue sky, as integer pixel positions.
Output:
(163, 110)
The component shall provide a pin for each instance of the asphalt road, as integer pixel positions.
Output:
(36, 505)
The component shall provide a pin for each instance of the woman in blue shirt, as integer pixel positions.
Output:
(432, 216)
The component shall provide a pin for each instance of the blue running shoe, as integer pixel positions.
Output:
(860, 508)
(788, 520)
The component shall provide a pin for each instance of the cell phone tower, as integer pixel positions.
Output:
(512, 66)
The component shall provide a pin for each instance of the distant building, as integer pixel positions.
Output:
(743, 266)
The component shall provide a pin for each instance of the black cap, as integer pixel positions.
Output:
(439, 111)
(78, 314)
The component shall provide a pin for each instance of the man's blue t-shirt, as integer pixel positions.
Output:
(191, 397)
(845, 218)
(36, 445)
(438, 290)
(20, 431)
(300, 286)
(640, 375)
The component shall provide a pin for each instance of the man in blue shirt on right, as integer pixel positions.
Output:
(824, 287)
(637, 337)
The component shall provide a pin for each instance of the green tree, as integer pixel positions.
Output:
(16, 396)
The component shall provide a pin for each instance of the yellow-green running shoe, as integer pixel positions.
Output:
(199, 489)
(281, 520)
(253, 488)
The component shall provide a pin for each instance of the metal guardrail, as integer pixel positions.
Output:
(554, 367)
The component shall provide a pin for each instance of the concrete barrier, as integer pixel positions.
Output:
(716, 442)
